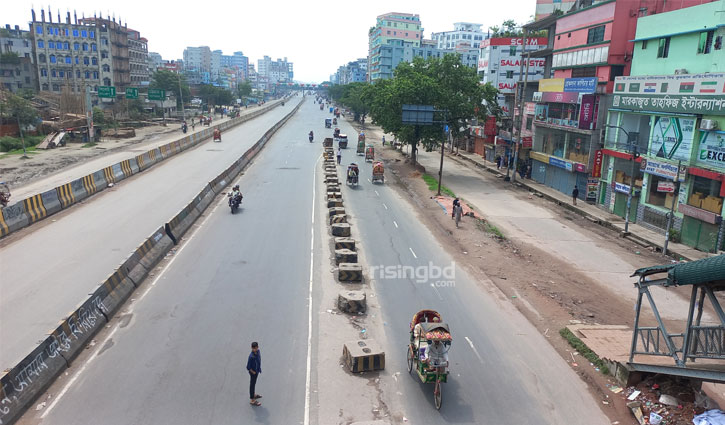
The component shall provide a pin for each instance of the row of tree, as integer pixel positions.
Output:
(176, 83)
(444, 83)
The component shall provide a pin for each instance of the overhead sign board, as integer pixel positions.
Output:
(157, 94)
(107, 92)
(131, 93)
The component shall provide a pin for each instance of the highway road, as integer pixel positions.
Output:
(177, 354)
(502, 370)
(49, 268)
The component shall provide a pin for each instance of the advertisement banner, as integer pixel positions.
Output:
(561, 163)
(712, 83)
(702, 215)
(592, 189)
(514, 41)
(551, 84)
(620, 187)
(598, 160)
(667, 187)
(662, 169)
(672, 137)
(670, 103)
(586, 112)
(581, 85)
(527, 142)
(712, 150)
(560, 97)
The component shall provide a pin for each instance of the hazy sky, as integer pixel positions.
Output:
(318, 36)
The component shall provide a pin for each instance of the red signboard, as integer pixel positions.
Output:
(586, 112)
(700, 214)
(597, 167)
(668, 187)
(514, 41)
(527, 142)
(559, 97)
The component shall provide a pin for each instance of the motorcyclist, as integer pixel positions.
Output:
(312, 135)
(217, 134)
(184, 127)
(236, 194)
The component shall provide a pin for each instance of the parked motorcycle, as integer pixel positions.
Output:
(234, 201)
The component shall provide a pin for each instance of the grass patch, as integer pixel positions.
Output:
(579, 346)
(89, 145)
(432, 183)
(12, 145)
(30, 150)
(487, 227)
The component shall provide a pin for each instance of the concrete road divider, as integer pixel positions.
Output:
(153, 249)
(334, 195)
(345, 243)
(341, 229)
(332, 188)
(51, 203)
(4, 229)
(352, 302)
(363, 356)
(338, 219)
(336, 211)
(34, 208)
(114, 291)
(65, 195)
(14, 217)
(345, 256)
(334, 202)
(149, 158)
(86, 186)
(349, 272)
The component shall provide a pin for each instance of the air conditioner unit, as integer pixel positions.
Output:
(681, 71)
(708, 125)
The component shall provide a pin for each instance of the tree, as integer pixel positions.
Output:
(353, 96)
(15, 109)
(244, 89)
(213, 95)
(169, 81)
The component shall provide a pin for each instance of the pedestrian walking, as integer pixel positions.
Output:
(254, 367)
(498, 162)
(339, 155)
(383, 140)
(453, 210)
(575, 194)
(458, 211)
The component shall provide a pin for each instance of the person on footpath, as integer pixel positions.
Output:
(458, 211)
(339, 155)
(498, 162)
(254, 367)
(575, 194)
(453, 210)
(383, 140)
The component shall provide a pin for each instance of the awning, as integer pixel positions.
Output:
(692, 273)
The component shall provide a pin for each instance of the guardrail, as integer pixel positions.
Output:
(23, 383)
(37, 207)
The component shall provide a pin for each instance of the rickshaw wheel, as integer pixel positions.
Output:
(410, 360)
(437, 395)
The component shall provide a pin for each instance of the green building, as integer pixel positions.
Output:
(672, 108)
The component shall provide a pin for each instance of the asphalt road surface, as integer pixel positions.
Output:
(502, 370)
(50, 267)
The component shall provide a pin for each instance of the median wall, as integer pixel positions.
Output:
(33, 208)
(21, 384)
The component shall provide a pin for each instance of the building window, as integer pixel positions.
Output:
(78, 73)
(76, 46)
(595, 35)
(85, 60)
(95, 77)
(51, 45)
(84, 33)
(65, 32)
(39, 30)
(85, 47)
(66, 46)
(88, 74)
(41, 44)
(41, 58)
(94, 60)
(590, 71)
(77, 61)
(56, 87)
(106, 68)
(664, 48)
(616, 71)
(56, 31)
(660, 199)
(93, 47)
(75, 33)
(61, 74)
(68, 60)
(705, 42)
(53, 73)
(718, 42)
(52, 58)
(92, 34)
(45, 86)
(509, 74)
(44, 73)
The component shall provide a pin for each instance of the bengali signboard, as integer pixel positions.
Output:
(157, 94)
(551, 85)
(700, 214)
(597, 167)
(671, 103)
(662, 169)
(108, 92)
(687, 93)
(586, 111)
(581, 85)
(620, 187)
(560, 97)
(672, 137)
(556, 162)
(712, 150)
(592, 189)
(667, 187)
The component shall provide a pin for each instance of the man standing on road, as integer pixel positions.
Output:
(453, 210)
(339, 155)
(383, 140)
(575, 194)
(458, 211)
(254, 367)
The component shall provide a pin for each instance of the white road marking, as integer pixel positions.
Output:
(386, 207)
(309, 302)
(395, 223)
(110, 335)
(436, 291)
(369, 181)
(376, 192)
(413, 252)
(474, 349)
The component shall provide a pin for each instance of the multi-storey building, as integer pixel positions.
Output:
(197, 64)
(114, 37)
(74, 54)
(138, 59)
(672, 110)
(236, 61)
(154, 61)
(275, 72)
(353, 72)
(216, 65)
(545, 8)
(17, 69)
(464, 35)
(391, 29)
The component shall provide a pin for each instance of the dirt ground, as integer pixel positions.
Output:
(548, 291)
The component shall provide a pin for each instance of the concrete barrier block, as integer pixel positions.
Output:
(352, 302)
(330, 174)
(349, 272)
(51, 203)
(113, 292)
(341, 229)
(334, 195)
(338, 219)
(153, 249)
(332, 188)
(345, 243)
(65, 195)
(345, 256)
(336, 211)
(14, 217)
(118, 172)
(334, 203)
(34, 208)
(130, 167)
(363, 356)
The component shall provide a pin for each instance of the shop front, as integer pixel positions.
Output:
(560, 158)
(663, 189)
(619, 171)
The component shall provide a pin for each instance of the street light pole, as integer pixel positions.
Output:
(671, 214)
(520, 105)
(633, 149)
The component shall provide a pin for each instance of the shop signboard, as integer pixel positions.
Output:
(551, 85)
(663, 169)
(712, 83)
(581, 85)
(700, 214)
(539, 157)
(620, 187)
(672, 137)
(586, 111)
(580, 168)
(560, 97)
(597, 167)
(712, 150)
(529, 108)
(667, 187)
(556, 162)
(527, 142)
(592, 189)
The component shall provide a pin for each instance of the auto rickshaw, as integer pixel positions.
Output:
(328, 123)
(361, 137)
(369, 153)
(353, 173)
(217, 135)
(378, 172)
(327, 143)
(334, 121)
(342, 141)
(361, 147)
(336, 133)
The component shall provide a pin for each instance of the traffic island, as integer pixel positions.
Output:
(345, 243)
(349, 272)
(345, 256)
(341, 229)
(338, 219)
(363, 356)
(352, 302)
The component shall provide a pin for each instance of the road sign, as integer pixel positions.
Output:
(131, 93)
(157, 94)
(107, 91)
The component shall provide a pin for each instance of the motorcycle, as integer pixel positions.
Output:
(311, 137)
(184, 128)
(234, 202)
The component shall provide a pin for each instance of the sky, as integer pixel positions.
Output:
(317, 36)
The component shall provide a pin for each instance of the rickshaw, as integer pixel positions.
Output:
(378, 172)
(336, 133)
(369, 153)
(361, 137)
(327, 143)
(360, 147)
(426, 331)
(352, 174)
(328, 123)
(321, 106)
(217, 135)
(342, 141)
(334, 121)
